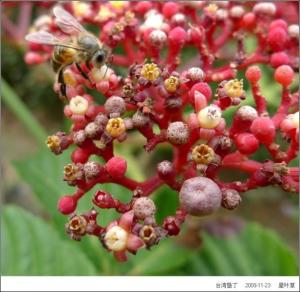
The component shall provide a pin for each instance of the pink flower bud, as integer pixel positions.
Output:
(246, 143)
(264, 130)
(284, 75)
(67, 205)
(203, 88)
(177, 37)
(278, 59)
(169, 9)
(80, 155)
(253, 74)
(116, 166)
(277, 38)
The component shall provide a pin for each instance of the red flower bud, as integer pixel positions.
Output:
(253, 74)
(246, 143)
(80, 155)
(277, 38)
(103, 200)
(67, 205)
(278, 59)
(201, 87)
(264, 130)
(116, 167)
(177, 37)
(169, 9)
(171, 225)
(284, 75)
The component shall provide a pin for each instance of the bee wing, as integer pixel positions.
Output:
(45, 38)
(42, 37)
(66, 22)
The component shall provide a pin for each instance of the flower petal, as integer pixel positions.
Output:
(120, 256)
(112, 224)
(134, 243)
(126, 220)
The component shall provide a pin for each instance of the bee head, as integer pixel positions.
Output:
(99, 58)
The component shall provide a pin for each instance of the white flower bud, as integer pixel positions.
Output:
(293, 31)
(196, 74)
(210, 117)
(116, 238)
(79, 105)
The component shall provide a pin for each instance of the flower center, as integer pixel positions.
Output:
(150, 71)
(115, 127)
(79, 105)
(203, 154)
(234, 88)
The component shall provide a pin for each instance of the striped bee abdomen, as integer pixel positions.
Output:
(62, 56)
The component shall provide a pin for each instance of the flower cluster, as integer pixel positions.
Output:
(187, 102)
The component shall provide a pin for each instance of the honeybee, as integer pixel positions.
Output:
(81, 46)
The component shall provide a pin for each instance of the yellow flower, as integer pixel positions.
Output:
(150, 71)
(53, 142)
(234, 88)
(203, 154)
(171, 84)
(115, 127)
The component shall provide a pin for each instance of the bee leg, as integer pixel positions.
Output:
(87, 63)
(82, 72)
(61, 81)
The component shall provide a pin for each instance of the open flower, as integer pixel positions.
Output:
(119, 239)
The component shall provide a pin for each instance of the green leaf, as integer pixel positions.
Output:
(29, 246)
(43, 172)
(160, 260)
(166, 201)
(16, 105)
(254, 251)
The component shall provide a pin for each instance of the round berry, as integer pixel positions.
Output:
(253, 74)
(165, 168)
(142, 6)
(200, 196)
(178, 133)
(143, 207)
(246, 143)
(284, 75)
(115, 104)
(177, 37)
(230, 199)
(248, 20)
(196, 74)
(278, 59)
(169, 9)
(247, 113)
(264, 130)
(80, 155)
(278, 23)
(277, 38)
(67, 205)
